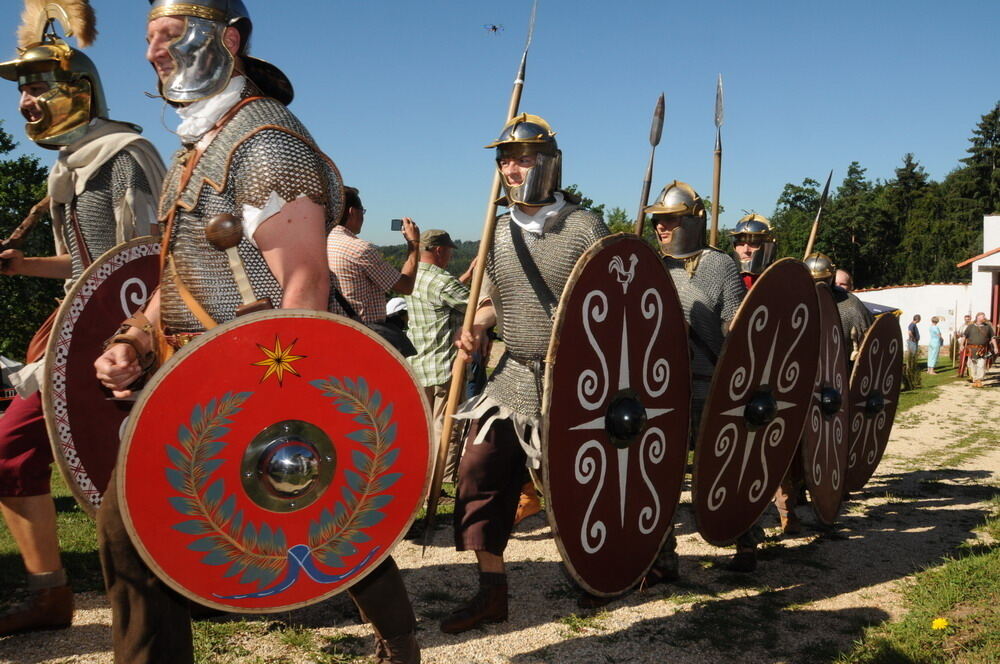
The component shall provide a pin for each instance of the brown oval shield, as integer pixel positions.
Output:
(83, 421)
(824, 439)
(615, 410)
(274, 461)
(758, 402)
(873, 398)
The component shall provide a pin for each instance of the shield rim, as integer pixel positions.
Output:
(550, 356)
(891, 325)
(705, 417)
(48, 406)
(168, 367)
(845, 409)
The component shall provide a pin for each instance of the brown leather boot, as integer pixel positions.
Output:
(398, 650)
(743, 562)
(45, 608)
(488, 606)
(530, 503)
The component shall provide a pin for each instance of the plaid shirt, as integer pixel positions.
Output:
(360, 273)
(436, 308)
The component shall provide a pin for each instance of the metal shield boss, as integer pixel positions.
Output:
(758, 402)
(274, 461)
(84, 423)
(873, 397)
(615, 410)
(824, 439)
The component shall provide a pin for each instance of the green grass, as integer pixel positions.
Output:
(965, 592)
(578, 624)
(927, 391)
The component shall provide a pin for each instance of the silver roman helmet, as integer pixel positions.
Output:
(755, 230)
(75, 95)
(203, 65)
(529, 134)
(679, 200)
(821, 267)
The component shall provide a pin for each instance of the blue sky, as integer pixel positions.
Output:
(403, 95)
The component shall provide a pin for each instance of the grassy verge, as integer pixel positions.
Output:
(927, 391)
(953, 612)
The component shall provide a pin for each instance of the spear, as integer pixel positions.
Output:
(717, 179)
(16, 238)
(485, 244)
(819, 212)
(655, 131)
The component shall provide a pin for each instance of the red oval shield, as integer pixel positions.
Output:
(874, 396)
(274, 461)
(824, 440)
(83, 421)
(616, 406)
(757, 403)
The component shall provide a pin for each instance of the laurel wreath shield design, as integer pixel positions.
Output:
(258, 552)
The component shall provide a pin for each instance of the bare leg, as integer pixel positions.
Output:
(32, 523)
(490, 563)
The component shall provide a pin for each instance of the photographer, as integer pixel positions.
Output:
(359, 273)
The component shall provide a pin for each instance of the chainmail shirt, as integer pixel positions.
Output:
(263, 150)
(710, 290)
(95, 209)
(855, 319)
(525, 323)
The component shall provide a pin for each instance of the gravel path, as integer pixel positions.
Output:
(808, 600)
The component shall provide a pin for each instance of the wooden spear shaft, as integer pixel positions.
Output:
(16, 238)
(485, 245)
(819, 213)
(717, 176)
(655, 131)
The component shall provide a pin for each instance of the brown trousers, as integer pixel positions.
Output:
(151, 624)
(490, 477)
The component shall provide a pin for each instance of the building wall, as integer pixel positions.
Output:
(950, 302)
(982, 282)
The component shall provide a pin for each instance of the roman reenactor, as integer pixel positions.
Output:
(247, 207)
(102, 192)
(710, 290)
(536, 245)
(754, 245)
(854, 315)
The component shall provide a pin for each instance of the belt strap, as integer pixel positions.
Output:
(545, 296)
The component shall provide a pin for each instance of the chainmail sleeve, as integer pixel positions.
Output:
(273, 162)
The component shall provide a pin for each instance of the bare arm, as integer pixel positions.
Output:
(51, 267)
(477, 340)
(466, 277)
(411, 232)
(293, 242)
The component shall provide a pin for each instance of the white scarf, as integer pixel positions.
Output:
(199, 117)
(540, 221)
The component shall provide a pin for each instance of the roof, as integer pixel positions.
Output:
(979, 257)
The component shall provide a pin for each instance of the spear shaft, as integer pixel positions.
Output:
(655, 132)
(485, 245)
(16, 238)
(819, 212)
(717, 177)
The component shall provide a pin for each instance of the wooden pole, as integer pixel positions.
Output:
(485, 245)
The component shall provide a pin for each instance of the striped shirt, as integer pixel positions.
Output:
(436, 308)
(360, 273)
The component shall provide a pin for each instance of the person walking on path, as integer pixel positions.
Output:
(979, 338)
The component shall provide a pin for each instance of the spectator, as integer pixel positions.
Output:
(963, 356)
(933, 345)
(437, 303)
(360, 276)
(913, 337)
(979, 337)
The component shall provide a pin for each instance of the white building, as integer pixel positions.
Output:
(985, 290)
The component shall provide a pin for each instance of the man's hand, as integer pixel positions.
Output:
(118, 368)
(411, 232)
(471, 342)
(11, 261)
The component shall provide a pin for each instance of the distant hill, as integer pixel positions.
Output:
(464, 253)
